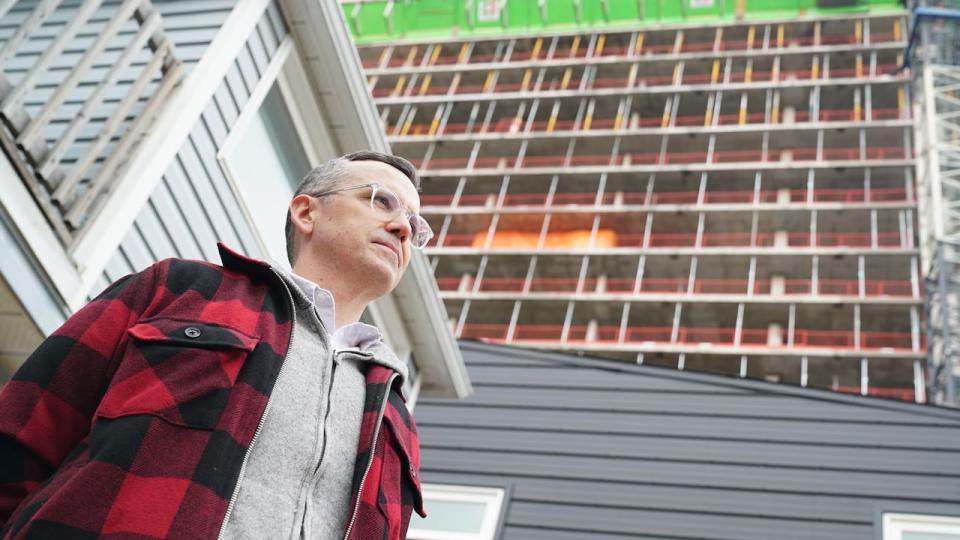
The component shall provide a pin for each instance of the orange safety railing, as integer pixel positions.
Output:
(882, 240)
(626, 52)
(667, 158)
(514, 125)
(624, 82)
(688, 335)
(904, 394)
(652, 285)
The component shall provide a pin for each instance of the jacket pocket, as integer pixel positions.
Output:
(179, 370)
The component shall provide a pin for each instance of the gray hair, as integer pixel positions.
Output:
(335, 172)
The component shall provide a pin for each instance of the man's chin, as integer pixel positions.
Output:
(384, 273)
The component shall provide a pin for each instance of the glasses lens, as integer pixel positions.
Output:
(384, 200)
(387, 202)
(421, 232)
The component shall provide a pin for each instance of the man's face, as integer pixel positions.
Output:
(370, 250)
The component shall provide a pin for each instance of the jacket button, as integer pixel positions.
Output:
(192, 332)
(413, 472)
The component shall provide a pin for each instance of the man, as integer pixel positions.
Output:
(193, 400)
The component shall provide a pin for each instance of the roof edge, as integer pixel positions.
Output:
(718, 379)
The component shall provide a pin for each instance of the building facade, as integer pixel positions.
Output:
(705, 185)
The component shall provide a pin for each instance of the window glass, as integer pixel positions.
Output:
(457, 513)
(910, 535)
(453, 516)
(278, 126)
(267, 163)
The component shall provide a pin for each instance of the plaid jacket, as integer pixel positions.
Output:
(134, 418)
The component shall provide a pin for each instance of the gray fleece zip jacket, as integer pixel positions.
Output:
(297, 478)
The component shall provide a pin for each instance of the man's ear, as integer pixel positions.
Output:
(300, 214)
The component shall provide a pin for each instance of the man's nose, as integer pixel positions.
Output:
(400, 226)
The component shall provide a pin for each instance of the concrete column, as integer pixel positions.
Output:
(789, 115)
(778, 285)
(783, 195)
(466, 283)
(774, 335)
(781, 239)
(592, 330)
(601, 283)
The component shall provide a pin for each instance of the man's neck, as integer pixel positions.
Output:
(349, 307)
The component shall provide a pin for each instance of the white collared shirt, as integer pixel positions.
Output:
(354, 335)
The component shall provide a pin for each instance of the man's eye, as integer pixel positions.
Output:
(382, 201)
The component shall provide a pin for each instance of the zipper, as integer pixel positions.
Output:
(332, 361)
(326, 417)
(304, 520)
(373, 449)
(263, 417)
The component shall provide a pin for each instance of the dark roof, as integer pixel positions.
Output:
(592, 448)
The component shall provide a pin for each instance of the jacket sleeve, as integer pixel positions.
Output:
(47, 407)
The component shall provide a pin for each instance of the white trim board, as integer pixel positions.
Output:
(895, 525)
(156, 151)
(32, 226)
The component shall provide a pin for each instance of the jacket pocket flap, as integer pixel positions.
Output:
(192, 334)
(180, 370)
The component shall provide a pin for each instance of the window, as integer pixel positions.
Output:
(271, 146)
(920, 527)
(267, 161)
(457, 513)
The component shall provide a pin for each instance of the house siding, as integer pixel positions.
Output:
(191, 27)
(193, 206)
(602, 450)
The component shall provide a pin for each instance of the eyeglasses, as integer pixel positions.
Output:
(387, 205)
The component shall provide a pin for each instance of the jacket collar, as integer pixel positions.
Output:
(248, 265)
(235, 261)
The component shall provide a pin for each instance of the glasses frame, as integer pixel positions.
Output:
(416, 232)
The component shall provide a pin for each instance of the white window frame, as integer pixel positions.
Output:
(492, 497)
(894, 525)
(286, 70)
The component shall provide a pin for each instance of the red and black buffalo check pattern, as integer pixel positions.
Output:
(132, 420)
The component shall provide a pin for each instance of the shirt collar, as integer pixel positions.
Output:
(357, 334)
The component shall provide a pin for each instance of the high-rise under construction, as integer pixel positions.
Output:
(733, 195)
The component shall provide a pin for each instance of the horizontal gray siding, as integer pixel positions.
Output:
(193, 206)
(601, 450)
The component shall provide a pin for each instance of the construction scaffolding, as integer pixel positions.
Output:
(735, 197)
(935, 64)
